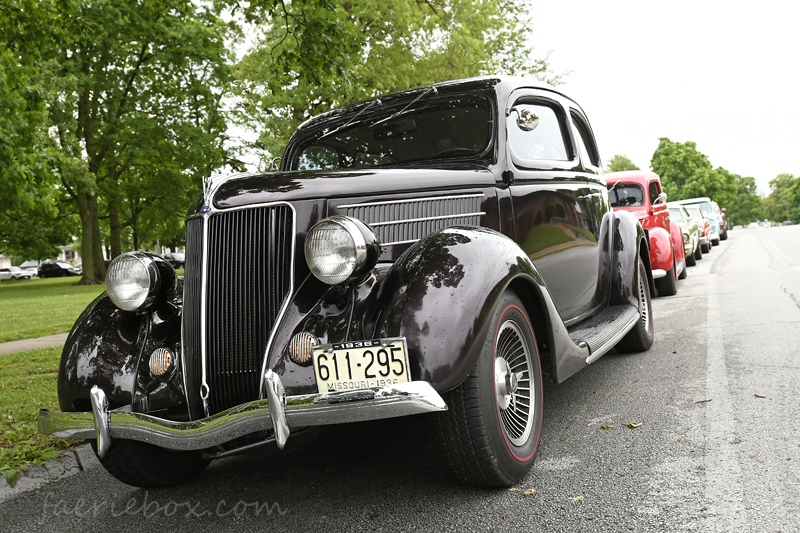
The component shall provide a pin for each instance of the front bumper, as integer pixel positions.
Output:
(277, 412)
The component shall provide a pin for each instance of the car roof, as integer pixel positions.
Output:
(631, 175)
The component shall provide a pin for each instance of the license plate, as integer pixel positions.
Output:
(360, 365)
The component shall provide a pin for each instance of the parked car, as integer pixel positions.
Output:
(640, 193)
(712, 213)
(439, 250)
(703, 225)
(690, 233)
(14, 272)
(56, 269)
(176, 259)
(33, 271)
(723, 221)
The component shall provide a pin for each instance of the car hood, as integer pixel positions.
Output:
(291, 186)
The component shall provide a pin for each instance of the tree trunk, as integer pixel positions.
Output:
(84, 198)
(115, 227)
(97, 242)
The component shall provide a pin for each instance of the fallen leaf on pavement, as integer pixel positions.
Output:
(577, 498)
(759, 396)
(702, 401)
(513, 489)
(606, 395)
(530, 492)
(606, 426)
(633, 425)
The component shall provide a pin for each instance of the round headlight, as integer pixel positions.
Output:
(685, 238)
(340, 248)
(132, 281)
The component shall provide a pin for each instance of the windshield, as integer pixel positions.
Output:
(626, 195)
(694, 212)
(705, 207)
(436, 129)
(676, 214)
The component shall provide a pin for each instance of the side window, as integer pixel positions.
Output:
(588, 148)
(545, 141)
(653, 192)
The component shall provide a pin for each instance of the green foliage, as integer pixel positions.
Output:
(687, 173)
(746, 207)
(33, 220)
(140, 92)
(783, 203)
(384, 46)
(27, 383)
(620, 163)
(676, 163)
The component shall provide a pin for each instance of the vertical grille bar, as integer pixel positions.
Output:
(192, 279)
(249, 261)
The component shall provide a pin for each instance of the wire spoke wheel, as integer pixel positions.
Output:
(513, 383)
(490, 434)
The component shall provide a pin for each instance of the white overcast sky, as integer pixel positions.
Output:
(722, 73)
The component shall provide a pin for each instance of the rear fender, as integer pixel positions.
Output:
(630, 244)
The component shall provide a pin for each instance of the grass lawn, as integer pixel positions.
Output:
(27, 383)
(38, 307)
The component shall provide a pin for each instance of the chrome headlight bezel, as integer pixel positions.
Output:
(358, 254)
(147, 273)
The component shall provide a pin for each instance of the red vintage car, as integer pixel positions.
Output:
(640, 193)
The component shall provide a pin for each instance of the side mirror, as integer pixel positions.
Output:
(275, 164)
(527, 120)
(724, 210)
(662, 198)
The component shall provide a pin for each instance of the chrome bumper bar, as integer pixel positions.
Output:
(277, 412)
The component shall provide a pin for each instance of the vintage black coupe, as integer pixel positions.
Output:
(436, 250)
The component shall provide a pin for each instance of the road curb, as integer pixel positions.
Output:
(68, 464)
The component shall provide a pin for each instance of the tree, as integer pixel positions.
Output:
(675, 163)
(140, 89)
(782, 203)
(687, 173)
(33, 220)
(385, 45)
(620, 163)
(746, 208)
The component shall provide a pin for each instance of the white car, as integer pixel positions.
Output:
(14, 273)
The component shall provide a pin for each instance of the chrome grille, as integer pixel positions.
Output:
(248, 278)
(406, 221)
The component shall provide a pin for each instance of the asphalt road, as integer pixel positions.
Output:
(718, 448)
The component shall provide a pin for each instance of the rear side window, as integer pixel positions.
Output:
(676, 214)
(545, 141)
(586, 144)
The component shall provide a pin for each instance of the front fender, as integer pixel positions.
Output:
(440, 295)
(661, 249)
(106, 347)
(102, 349)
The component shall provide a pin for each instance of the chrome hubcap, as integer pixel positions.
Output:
(513, 384)
(644, 309)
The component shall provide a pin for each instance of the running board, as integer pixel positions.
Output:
(603, 331)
